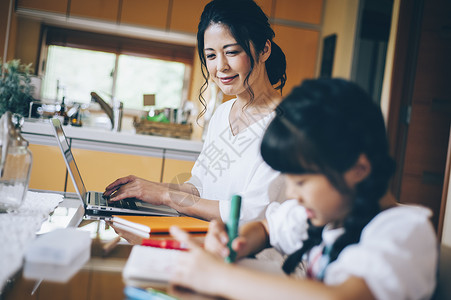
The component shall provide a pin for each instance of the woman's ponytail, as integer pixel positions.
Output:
(276, 66)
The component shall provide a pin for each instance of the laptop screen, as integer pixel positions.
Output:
(69, 158)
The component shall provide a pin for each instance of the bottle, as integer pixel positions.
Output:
(62, 114)
(15, 163)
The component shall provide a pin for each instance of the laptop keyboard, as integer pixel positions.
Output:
(103, 201)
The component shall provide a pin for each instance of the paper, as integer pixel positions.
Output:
(156, 265)
(149, 264)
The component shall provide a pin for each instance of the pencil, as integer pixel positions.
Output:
(110, 245)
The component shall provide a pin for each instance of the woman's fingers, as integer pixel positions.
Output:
(127, 187)
(117, 184)
(123, 192)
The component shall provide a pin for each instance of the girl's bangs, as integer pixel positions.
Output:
(287, 151)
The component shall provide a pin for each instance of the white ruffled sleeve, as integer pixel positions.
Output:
(287, 224)
(396, 255)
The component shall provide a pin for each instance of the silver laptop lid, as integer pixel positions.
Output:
(69, 159)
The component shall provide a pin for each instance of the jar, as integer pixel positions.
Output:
(15, 164)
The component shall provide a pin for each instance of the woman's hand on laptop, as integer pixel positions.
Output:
(135, 187)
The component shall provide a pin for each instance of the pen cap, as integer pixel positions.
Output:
(235, 208)
(232, 225)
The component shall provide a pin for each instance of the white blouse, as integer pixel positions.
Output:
(397, 253)
(232, 164)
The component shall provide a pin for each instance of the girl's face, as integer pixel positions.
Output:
(227, 62)
(323, 203)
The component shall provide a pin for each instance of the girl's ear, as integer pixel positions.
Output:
(360, 171)
(266, 52)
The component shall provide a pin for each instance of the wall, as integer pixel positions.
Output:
(340, 18)
(196, 82)
(4, 12)
(4, 8)
(27, 40)
(386, 86)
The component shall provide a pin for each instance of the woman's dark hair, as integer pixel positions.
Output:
(322, 127)
(247, 24)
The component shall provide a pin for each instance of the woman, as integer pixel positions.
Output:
(342, 227)
(237, 52)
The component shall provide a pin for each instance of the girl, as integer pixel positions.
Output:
(347, 233)
(237, 52)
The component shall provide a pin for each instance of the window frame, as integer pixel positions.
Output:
(117, 44)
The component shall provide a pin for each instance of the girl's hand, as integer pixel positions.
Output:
(217, 239)
(196, 266)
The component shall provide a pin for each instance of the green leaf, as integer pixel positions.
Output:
(15, 87)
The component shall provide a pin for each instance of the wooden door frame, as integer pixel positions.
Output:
(402, 83)
(446, 187)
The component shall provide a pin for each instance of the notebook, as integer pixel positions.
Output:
(94, 202)
(162, 224)
(156, 265)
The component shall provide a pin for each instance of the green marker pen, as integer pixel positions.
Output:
(232, 225)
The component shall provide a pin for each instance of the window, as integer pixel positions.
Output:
(76, 73)
(139, 75)
(78, 63)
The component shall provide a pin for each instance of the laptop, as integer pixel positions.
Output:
(94, 202)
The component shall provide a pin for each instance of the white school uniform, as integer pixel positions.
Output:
(396, 256)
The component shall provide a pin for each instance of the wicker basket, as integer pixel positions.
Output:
(162, 129)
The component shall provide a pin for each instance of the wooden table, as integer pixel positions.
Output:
(99, 279)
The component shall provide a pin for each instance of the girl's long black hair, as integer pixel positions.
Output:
(248, 24)
(322, 127)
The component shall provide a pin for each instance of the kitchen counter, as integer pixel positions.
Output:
(40, 132)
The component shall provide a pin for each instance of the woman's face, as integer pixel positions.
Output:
(323, 203)
(227, 62)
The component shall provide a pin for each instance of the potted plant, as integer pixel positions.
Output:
(15, 87)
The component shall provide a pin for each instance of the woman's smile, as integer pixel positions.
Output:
(226, 59)
(227, 80)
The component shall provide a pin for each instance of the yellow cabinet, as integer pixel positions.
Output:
(48, 171)
(177, 166)
(177, 171)
(266, 6)
(145, 13)
(97, 9)
(301, 49)
(98, 169)
(59, 6)
(185, 15)
(305, 11)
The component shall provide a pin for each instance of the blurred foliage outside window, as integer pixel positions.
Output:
(80, 72)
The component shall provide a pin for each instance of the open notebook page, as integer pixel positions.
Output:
(149, 264)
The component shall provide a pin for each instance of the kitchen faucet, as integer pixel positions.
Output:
(114, 113)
